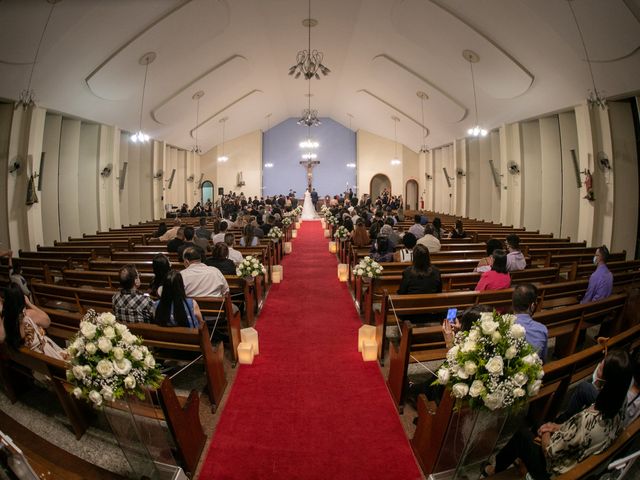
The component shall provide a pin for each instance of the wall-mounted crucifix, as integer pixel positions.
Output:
(309, 164)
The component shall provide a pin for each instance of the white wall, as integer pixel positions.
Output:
(49, 194)
(570, 192)
(68, 179)
(88, 178)
(374, 156)
(531, 171)
(6, 114)
(551, 173)
(245, 155)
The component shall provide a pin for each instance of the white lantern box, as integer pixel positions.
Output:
(366, 332)
(245, 353)
(277, 273)
(343, 272)
(327, 233)
(250, 336)
(297, 225)
(287, 247)
(294, 233)
(369, 350)
(333, 247)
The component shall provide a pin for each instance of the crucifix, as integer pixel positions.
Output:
(309, 164)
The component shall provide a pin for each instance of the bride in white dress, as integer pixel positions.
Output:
(308, 212)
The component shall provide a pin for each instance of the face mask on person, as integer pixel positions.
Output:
(595, 259)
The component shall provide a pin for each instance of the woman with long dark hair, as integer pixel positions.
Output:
(161, 266)
(174, 309)
(497, 278)
(421, 276)
(248, 238)
(24, 325)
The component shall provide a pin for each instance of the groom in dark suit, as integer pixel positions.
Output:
(314, 199)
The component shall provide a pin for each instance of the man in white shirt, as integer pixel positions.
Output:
(199, 279)
(219, 237)
(417, 229)
(429, 240)
(234, 255)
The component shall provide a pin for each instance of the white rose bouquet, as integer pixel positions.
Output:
(368, 268)
(297, 211)
(331, 220)
(323, 210)
(275, 233)
(492, 366)
(106, 361)
(286, 221)
(250, 267)
(342, 233)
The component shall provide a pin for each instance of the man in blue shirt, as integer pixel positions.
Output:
(524, 302)
(601, 281)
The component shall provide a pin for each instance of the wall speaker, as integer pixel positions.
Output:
(123, 175)
(494, 172)
(576, 168)
(200, 181)
(173, 174)
(220, 190)
(40, 171)
(446, 176)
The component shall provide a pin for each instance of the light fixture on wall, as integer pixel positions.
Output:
(472, 57)
(223, 158)
(395, 160)
(268, 165)
(191, 178)
(309, 156)
(158, 174)
(106, 171)
(197, 96)
(309, 62)
(351, 165)
(424, 148)
(27, 96)
(595, 98)
(146, 59)
(14, 167)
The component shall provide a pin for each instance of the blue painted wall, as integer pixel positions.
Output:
(280, 146)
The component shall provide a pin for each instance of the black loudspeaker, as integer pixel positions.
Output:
(40, 171)
(576, 168)
(123, 175)
(220, 190)
(173, 174)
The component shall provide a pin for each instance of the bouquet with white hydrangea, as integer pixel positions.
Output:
(323, 210)
(331, 220)
(107, 362)
(297, 211)
(250, 266)
(342, 233)
(492, 365)
(286, 221)
(275, 233)
(368, 268)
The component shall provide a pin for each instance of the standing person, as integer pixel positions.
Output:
(497, 278)
(600, 281)
(421, 276)
(524, 303)
(515, 258)
(130, 305)
(174, 309)
(199, 279)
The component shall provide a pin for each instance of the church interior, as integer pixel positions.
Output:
(405, 234)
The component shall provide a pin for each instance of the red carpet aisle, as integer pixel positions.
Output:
(309, 407)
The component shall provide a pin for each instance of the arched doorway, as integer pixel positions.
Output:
(379, 183)
(411, 195)
(207, 191)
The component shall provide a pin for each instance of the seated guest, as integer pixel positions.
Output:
(515, 258)
(220, 259)
(175, 243)
(484, 265)
(130, 305)
(497, 278)
(202, 243)
(587, 433)
(188, 241)
(600, 281)
(219, 237)
(200, 280)
(15, 277)
(438, 231)
(202, 231)
(463, 324)
(360, 235)
(172, 232)
(348, 224)
(458, 231)
(383, 250)
(421, 276)
(161, 266)
(394, 236)
(174, 309)
(248, 238)
(234, 255)
(405, 254)
(162, 229)
(417, 229)
(266, 227)
(429, 240)
(524, 302)
(23, 324)
(387, 232)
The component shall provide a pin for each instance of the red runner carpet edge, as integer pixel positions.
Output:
(309, 407)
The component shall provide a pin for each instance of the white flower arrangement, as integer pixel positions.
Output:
(250, 267)
(286, 221)
(331, 220)
(323, 210)
(107, 362)
(492, 365)
(275, 233)
(342, 233)
(368, 268)
(297, 211)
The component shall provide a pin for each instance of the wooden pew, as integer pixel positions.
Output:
(98, 251)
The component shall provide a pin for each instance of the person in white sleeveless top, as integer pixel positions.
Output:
(405, 255)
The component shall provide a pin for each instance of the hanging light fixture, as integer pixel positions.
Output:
(595, 98)
(27, 96)
(395, 160)
(308, 143)
(309, 62)
(146, 59)
(472, 57)
(424, 148)
(268, 119)
(223, 158)
(309, 156)
(350, 164)
(197, 96)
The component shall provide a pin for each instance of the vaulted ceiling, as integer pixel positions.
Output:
(380, 52)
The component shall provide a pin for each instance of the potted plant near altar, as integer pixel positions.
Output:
(250, 268)
(368, 269)
(489, 373)
(275, 234)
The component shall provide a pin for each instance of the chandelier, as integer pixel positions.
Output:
(308, 143)
(309, 156)
(395, 160)
(223, 158)
(309, 118)
(309, 62)
(146, 59)
(595, 98)
(472, 57)
(27, 97)
(197, 96)
(424, 148)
